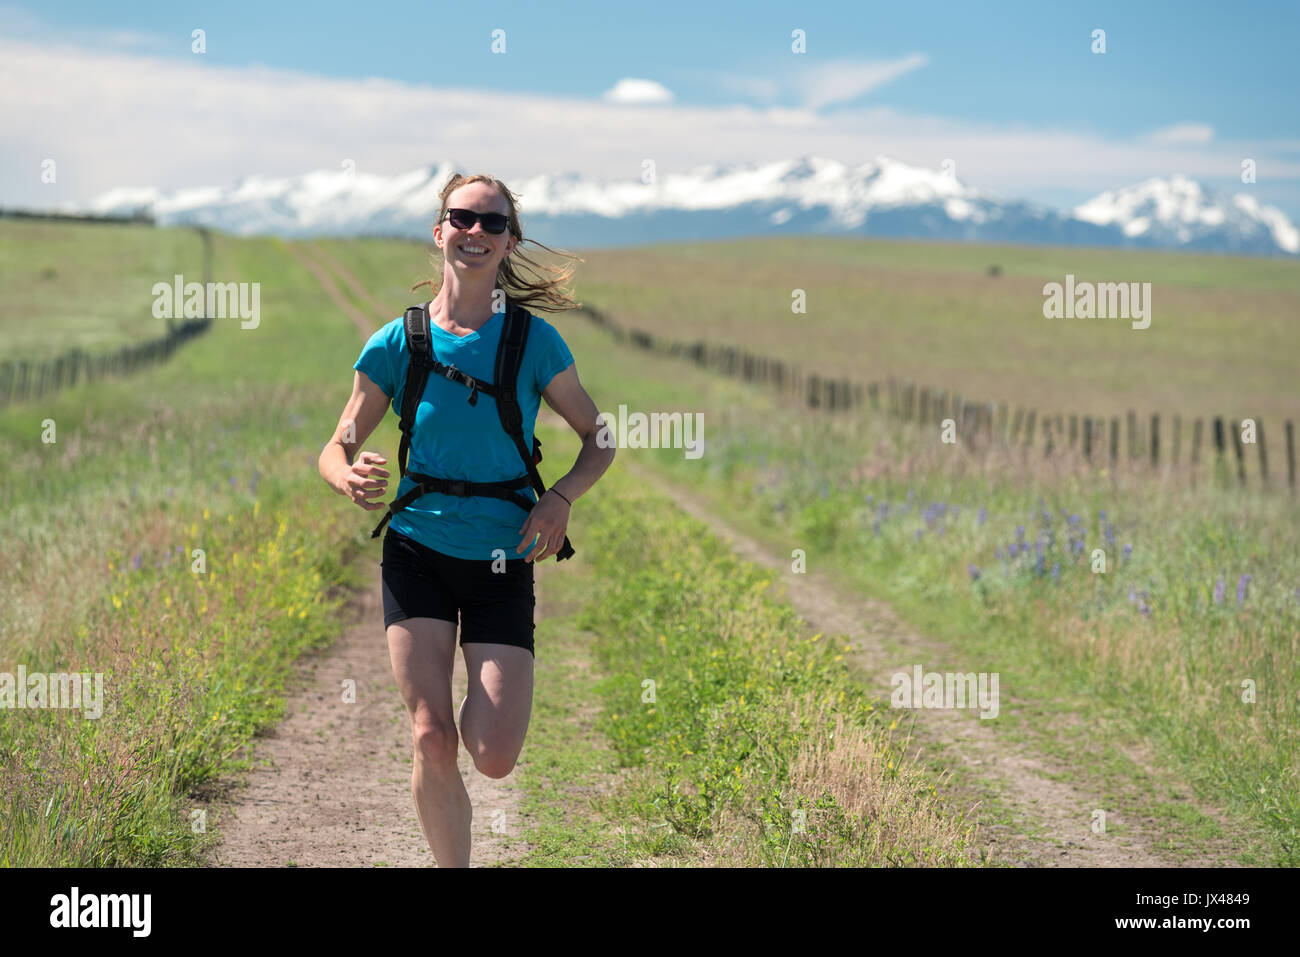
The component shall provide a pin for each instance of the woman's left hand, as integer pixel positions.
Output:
(547, 522)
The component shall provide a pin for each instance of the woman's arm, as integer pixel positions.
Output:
(550, 516)
(364, 480)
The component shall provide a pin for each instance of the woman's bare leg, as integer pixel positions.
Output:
(423, 653)
(495, 713)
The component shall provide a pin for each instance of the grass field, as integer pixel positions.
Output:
(216, 449)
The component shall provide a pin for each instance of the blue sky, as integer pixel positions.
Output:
(1010, 91)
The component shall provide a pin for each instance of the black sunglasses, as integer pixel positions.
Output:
(466, 218)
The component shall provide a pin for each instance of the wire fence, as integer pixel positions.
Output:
(976, 424)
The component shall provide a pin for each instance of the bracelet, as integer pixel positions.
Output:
(559, 493)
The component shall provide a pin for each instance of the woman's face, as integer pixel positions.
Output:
(458, 244)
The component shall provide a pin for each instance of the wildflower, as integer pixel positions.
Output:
(974, 573)
(1072, 519)
(1110, 535)
(1020, 533)
(875, 527)
(983, 516)
(1040, 566)
(1218, 591)
(1242, 582)
(997, 553)
(1056, 571)
(1128, 552)
(135, 562)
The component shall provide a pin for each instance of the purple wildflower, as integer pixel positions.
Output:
(135, 562)
(1242, 582)
(1132, 595)
(974, 573)
(1110, 535)
(1040, 566)
(1128, 552)
(1218, 591)
(1072, 519)
(1056, 571)
(1020, 533)
(983, 516)
(875, 527)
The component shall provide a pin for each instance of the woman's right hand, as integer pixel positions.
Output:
(365, 480)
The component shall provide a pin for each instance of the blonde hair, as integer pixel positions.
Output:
(541, 291)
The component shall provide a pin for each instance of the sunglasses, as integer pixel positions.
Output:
(466, 218)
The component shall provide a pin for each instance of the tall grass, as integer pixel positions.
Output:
(214, 452)
(752, 741)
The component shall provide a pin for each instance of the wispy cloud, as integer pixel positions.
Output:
(823, 84)
(1192, 134)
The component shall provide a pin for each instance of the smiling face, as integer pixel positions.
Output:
(458, 245)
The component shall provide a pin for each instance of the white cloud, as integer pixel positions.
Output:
(1190, 134)
(630, 90)
(113, 119)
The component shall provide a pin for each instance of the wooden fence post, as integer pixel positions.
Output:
(1290, 456)
(1241, 454)
(1155, 441)
(1263, 456)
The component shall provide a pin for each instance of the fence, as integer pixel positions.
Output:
(1093, 438)
(23, 379)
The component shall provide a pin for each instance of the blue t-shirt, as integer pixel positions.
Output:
(456, 440)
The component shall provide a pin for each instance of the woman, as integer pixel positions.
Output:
(442, 556)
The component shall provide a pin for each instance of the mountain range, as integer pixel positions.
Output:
(809, 195)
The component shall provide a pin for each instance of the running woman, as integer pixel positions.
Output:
(442, 556)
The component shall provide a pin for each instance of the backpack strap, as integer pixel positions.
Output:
(420, 361)
(510, 357)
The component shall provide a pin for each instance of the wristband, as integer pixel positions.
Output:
(561, 494)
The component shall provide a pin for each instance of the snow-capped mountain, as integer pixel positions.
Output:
(1179, 212)
(806, 195)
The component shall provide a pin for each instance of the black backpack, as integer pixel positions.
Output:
(510, 355)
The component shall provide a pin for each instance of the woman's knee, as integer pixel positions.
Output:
(436, 741)
(494, 761)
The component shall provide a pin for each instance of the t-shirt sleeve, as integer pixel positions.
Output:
(554, 356)
(378, 358)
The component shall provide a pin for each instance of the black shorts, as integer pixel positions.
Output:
(419, 582)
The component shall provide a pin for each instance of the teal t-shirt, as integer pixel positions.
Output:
(453, 439)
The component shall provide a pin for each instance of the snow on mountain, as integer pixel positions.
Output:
(1179, 212)
(805, 195)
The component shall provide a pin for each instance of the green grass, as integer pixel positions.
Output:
(733, 737)
(1172, 679)
(214, 450)
(88, 287)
